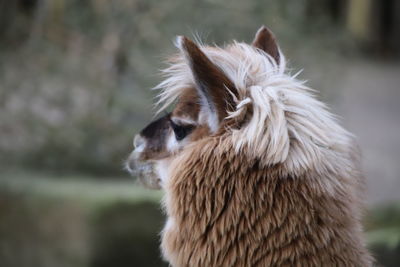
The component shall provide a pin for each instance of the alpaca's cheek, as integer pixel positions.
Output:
(162, 170)
(172, 144)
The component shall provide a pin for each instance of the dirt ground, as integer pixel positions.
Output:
(369, 105)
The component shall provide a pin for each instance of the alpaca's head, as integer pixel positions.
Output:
(240, 91)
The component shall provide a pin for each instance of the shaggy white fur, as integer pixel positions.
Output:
(288, 124)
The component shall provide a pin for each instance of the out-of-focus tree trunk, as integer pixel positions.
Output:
(48, 20)
(375, 24)
(333, 10)
(359, 22)
(9, 13)
(22, 20)
(7, 8)
(16, 20)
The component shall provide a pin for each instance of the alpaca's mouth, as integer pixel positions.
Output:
(145, 171)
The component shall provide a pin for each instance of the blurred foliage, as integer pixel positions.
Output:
(78, 221)
(74, 75)
(383, 233)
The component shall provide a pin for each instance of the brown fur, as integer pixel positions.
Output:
(229, 211)
(188, 105)
(265, 40)
(228, 206)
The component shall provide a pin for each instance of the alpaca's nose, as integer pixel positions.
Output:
(138, 141)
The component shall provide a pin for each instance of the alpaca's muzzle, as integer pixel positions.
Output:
(143, 170)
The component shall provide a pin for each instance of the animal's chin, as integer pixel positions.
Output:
(146, 174)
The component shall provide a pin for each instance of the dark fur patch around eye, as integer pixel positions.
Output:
(181, 131)
(156, 128)
(156, 134)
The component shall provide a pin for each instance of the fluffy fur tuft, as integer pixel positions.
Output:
(284, 119)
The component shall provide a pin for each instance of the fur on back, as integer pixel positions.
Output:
(235, 212)
(281, 189)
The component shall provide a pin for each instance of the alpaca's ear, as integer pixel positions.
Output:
(265, 40)
(211, 82)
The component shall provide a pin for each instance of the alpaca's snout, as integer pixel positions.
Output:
(130, 164)
(138, 142)
(143, 170)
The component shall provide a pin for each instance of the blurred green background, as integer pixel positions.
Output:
(74, 89)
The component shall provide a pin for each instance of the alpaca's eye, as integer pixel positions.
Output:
(181, 131)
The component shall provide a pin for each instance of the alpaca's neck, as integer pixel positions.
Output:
(240, 214)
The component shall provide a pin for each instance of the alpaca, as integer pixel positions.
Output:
(256, 171)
